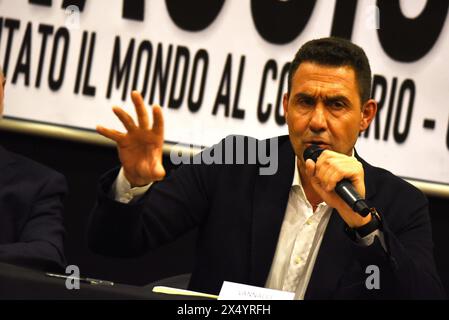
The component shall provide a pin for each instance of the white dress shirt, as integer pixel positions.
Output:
(299, 241)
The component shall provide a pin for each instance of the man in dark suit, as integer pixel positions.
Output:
(31, 222)
(288, 230)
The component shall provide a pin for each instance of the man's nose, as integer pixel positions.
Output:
(318, 118)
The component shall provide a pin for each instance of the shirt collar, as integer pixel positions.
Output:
(296, 179)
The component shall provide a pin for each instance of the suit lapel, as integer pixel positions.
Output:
(370, 184)
(269, 203)
(333, 256)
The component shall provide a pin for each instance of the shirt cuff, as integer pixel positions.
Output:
(122, 189)
(369, 239)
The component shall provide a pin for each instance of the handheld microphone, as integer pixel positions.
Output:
(344, 188)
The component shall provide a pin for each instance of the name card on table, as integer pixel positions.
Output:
(238, 291)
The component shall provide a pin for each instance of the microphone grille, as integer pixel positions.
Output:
(312, 152)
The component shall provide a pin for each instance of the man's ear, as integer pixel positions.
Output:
(285, 105)
(369, 111)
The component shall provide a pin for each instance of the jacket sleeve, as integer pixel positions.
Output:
(167, 210)
(407, 268)
(41, 235)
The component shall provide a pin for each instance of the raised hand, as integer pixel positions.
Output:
(140, 148)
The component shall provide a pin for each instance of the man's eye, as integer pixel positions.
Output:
(337, 104)
(306, 102)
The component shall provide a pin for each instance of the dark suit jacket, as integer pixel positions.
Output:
(240, 213)
(31, 222)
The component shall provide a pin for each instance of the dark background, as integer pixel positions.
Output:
(83, 164)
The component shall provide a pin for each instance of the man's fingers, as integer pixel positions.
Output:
(310, 167)
(158, 121)
(125, 118)
(141, 110)
(110, 133)
(332, 179)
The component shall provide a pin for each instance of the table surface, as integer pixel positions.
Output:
(23, 283)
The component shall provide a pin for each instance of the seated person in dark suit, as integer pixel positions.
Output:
(287, 229)
(31, 221)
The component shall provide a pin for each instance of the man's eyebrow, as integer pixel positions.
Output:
(337, 98)
(302, 95)
(330, 98)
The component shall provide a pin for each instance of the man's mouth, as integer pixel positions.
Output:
(319, 143)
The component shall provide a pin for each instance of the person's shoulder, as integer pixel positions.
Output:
(385, 180)
(26, 167)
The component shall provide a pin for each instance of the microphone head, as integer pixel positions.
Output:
(312, 152)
